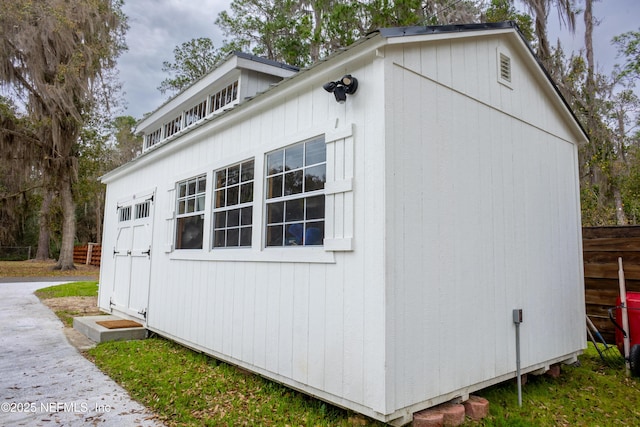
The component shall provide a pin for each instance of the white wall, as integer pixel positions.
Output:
(482, 203)
(317, 326)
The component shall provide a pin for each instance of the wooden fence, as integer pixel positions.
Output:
(87, 254)
(601, 247)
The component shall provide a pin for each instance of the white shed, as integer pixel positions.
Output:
(367, 252)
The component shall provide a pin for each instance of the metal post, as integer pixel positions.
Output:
(517, 319)
(626, 345)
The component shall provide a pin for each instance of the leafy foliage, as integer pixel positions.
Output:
(193, 59)
(54, 56)
(628, 45)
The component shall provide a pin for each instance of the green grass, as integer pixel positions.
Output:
(74, 289)
(188, 388)
(592, 394)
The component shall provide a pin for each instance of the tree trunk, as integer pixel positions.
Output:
(621, 218)
(44, 234)
(99, 219)
(65, 262)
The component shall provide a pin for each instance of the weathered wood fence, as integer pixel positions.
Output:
(601, 247)
(87, 254)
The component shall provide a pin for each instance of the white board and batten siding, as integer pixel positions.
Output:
(482, 218)
(448, 203)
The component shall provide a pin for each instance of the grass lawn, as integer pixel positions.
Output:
(187, 388)
(74, 289)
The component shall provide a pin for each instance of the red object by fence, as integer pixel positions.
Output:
(633, 311)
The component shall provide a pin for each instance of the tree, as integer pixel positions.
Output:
(301, 33)
(503, 10)
(628, 45)
(281, 30)
(193, 59)
(53, 54)
(17, 184)
(540, 10)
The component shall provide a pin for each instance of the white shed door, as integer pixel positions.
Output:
(132, 254)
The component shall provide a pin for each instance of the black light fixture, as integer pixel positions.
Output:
(346, 85)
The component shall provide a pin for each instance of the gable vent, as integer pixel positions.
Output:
(505, 67)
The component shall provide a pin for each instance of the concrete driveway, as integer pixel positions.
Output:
(44, 380)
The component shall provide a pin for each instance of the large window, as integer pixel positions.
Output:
(295, 178)
(190, 213)
(233, 207)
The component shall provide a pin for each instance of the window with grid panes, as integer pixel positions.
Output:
(233, 206)
(190, 212)
(295, 178)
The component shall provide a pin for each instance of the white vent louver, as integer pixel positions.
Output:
(505, 67)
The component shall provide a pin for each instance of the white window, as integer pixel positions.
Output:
(190, 212)
(142, 210)
(224, 97)
(124, 213)
(153, 138)
(233, 206)
(195, 113)
(173, 126)
(295, 201)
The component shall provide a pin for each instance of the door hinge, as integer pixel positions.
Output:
(143, 312)
(147, 252)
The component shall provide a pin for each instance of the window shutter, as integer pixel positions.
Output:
(339, 190)
(169, 219)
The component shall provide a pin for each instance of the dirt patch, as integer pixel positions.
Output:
(66, 308)
(86, 306)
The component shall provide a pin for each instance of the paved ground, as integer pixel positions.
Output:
(44, 380)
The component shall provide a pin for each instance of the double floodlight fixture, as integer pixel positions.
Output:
(346, 85)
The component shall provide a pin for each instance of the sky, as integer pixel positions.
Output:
(156, 27)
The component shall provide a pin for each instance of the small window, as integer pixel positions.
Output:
(224, 97)
(195, 113)
(124, 213)
(173, 126)
(142, 210)
(190, 212)
(295, 178)
(233, 206)
(153, 138)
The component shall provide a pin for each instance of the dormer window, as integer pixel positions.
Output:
(218, 91)
(153, 138)
(224, 97)
(196, 113)
(173, 126)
